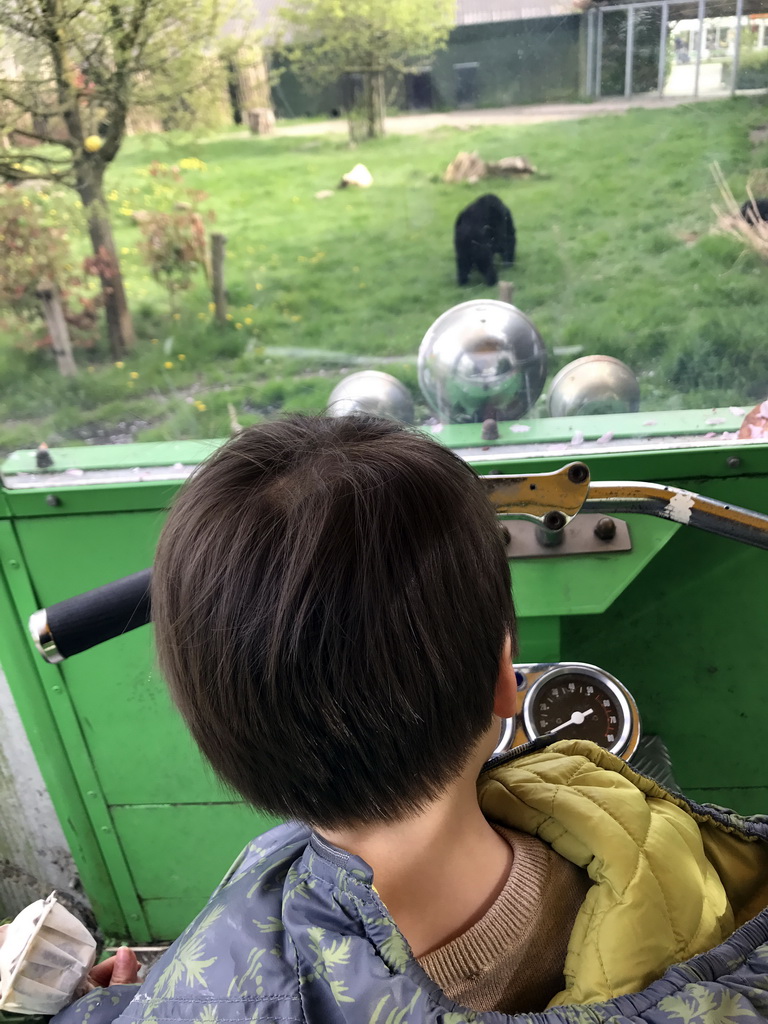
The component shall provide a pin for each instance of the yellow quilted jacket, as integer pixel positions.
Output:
(669, 882)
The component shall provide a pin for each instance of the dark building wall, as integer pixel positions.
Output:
(489, 65)
(532, 61)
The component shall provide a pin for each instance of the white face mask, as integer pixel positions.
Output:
(45, 955)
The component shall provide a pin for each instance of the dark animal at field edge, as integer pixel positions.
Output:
(754, 212)
(483, 230)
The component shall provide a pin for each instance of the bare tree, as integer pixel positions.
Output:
(74, 69)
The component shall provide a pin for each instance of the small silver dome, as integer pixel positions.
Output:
(374, 393)
(481, 360)
(593, 385)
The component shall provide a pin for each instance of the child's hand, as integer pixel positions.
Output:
(120, 969)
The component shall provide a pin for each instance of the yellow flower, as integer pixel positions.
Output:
(177, 316)
(78, 205)
(295, 318)
(238, 327)
(126, 211)
(248, 321)
(133, 375)
(155, 341)
(124, 251)
(168, 365)
(191, 163)
(249, 306)
(363, 284)
(119, 365)
(211, 307)
(130, 383)
(295, 199)
(181, 357)
(113, 196)
(91, 369)
(201, 406)
(230, 317)
(202, 316)
(259, 287)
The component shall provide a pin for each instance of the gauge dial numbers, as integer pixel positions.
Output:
(581, 702)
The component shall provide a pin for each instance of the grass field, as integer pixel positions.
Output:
(615, 255)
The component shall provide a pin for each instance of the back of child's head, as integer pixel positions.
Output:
(331, 599)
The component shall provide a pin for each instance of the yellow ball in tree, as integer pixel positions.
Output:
(93, 143)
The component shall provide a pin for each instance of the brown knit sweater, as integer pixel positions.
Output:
(512, 959)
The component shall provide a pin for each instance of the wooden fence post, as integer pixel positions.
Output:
(48, 294)
(506, 291)
(218, 245)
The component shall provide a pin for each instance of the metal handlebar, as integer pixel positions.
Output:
(550, 499)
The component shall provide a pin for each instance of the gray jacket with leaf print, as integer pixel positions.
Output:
(672, 931)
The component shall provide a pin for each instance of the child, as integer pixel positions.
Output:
(333, 615)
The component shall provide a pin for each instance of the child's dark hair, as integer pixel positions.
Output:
(331, 599)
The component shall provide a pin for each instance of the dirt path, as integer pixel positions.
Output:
(414, 124)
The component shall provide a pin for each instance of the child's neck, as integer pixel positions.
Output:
(438, 872)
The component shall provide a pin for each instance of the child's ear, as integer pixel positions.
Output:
(505, 701)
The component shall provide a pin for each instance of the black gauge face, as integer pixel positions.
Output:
(578, 706)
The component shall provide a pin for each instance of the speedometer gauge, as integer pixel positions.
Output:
(575, 701)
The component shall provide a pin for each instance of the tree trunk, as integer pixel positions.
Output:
(119, 324)
(374, 104)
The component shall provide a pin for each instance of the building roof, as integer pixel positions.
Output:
(478, 12)
(468, 12)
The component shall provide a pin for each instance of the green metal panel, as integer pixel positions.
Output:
(136, 742)
(538, 638)
(167, 829)
(586, 584)
(37, 691)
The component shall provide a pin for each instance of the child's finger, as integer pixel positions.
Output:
(121, 969)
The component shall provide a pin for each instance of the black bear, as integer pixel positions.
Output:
(748, 211)
(483, 229)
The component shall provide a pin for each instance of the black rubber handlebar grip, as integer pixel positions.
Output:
(82, 622)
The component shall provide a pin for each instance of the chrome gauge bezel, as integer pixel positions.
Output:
(506, 735)
(605, 680)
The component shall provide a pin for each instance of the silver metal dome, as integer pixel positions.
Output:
(372, 392)
(593, 385)
(481, 360)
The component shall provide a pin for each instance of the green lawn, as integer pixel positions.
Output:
(615, 255)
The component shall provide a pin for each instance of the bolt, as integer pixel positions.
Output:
(733, 461)
(92, 793)
(13, 564)
(578, 473)
(549, 538)
(55, 689)
(554, 520)
(43, 457)
(605, 529)
(134, 917)
(52, 500)
(105, 828)
(490, 431)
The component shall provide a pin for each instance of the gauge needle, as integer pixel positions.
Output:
(577, 718)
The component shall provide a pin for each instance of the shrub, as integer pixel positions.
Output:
(32, 250)
(175, 248)
(753, 70)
